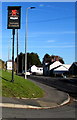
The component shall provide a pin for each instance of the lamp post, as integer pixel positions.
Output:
(26, 39)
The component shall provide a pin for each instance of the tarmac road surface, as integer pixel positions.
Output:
(57, 97)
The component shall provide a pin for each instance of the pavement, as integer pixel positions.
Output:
(52, 98)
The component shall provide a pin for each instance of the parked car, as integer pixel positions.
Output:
(27, 73)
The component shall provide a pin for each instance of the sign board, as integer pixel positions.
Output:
(14, 17)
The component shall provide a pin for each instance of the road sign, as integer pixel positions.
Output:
(14, 13)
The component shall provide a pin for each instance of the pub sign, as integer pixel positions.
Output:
(14, 13)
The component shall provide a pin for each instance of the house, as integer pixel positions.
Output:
(9, 65)
(56, 68)
(45, 69)
(39, 71)
(62, 70)
(33, 69)
(49, 67)
(73, 69)
(36, 70)
(2, 64)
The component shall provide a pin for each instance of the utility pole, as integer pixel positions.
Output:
(17, 53)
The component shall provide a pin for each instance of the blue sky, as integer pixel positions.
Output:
(51, 29)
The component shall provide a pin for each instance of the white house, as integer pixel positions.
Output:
(56, 68)
(48, 68)
(63, 69)
(9, 65)
(37, 70)
(33, 69)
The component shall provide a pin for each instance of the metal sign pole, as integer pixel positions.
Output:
(17, 52)
(14, 14)
(13, 56)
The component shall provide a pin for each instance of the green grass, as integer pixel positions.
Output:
(22, 88)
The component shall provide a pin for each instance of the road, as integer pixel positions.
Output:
(68, 85)
(66, 111)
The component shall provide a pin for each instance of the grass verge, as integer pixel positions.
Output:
(22, 88)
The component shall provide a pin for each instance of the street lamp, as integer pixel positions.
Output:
(26, 38)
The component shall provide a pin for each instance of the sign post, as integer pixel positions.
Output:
(13, 32)
(13, 23)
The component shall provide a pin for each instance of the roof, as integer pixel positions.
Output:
(67, 65)
(1, 60)
(9, 61)
(61, 68)
(55, 65)
(75, 63)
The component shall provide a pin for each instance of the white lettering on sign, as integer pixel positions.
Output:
(13, 18)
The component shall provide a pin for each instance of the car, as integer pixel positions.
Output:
(27, 73)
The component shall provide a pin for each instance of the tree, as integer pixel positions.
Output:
(20, 62)
(50, 59)
(47, 58)
(32, 59)
(57, 58)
